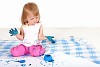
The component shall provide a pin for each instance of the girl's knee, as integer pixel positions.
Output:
(18, 51)
(37, 51)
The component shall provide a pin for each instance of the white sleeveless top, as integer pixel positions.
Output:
(31, 34)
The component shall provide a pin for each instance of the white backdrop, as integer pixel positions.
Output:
(54, 13)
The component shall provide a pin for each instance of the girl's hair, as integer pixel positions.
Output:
(29, 7)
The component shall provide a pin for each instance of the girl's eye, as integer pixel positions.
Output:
(32, 18)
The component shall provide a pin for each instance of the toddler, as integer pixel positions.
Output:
(31, 31)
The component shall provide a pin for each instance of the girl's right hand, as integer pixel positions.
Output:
(13, 31)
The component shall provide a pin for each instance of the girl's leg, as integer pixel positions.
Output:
(36, 50)
(19, 50)
(42, 51)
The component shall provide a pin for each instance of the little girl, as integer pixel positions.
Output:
(31, 31)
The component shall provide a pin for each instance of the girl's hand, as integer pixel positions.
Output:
(50, 39)
(13, 31)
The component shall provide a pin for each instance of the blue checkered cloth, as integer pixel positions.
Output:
(77, 47)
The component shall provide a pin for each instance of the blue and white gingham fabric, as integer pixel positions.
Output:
(77, 47)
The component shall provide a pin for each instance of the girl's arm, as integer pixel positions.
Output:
(21, 35)
(41, 35)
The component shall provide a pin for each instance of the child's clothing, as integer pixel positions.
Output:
(29, 44)
(31, 34)
(35, 50)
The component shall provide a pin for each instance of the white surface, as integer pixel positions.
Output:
(69, 61)
(60, 60)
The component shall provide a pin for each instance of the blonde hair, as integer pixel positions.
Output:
(29, 7)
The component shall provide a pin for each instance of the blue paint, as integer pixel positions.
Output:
(29, 64)
(10, 55)
(73, 40)
(50, 39)
(98, 62)
(41, 63)
(20, 61)
(23, 65)
(8, 61)
(48, 58)
(13, 31)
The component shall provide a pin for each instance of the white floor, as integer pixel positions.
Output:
(91, 34)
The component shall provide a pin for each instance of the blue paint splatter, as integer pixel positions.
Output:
(48, 58)
(20, 61)
(29, 64)
(41, 63)
(23, 65)
(8, 61)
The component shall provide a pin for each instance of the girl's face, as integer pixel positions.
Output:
(32, 20)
